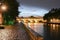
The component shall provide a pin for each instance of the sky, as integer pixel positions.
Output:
(36, 7)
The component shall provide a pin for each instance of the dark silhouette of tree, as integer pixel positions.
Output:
(12, 12)
(53, 13)
(22, 17)
(32, 17)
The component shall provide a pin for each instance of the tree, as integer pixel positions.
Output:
(12, 13)
(53, 13)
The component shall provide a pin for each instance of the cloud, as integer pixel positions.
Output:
(28, 11)
(47, 4)
(39, 6)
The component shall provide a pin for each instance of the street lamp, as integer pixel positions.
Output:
(3, 7)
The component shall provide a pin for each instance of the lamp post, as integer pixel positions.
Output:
(3, 8)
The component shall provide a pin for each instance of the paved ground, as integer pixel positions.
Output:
(16, 32)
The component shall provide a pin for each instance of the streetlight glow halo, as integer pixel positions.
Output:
(4, 7)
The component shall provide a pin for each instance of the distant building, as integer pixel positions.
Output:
(55, 20)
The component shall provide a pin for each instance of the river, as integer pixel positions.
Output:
(48, 31)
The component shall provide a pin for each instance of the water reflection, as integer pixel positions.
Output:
(51, 31)
(37, 27)
(48, 31)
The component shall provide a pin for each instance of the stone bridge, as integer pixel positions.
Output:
(28, 19)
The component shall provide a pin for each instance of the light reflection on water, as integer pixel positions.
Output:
(37, 27)
(48, 31)
(52, 31)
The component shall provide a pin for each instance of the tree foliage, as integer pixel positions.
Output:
(12, 12)
(53, 13)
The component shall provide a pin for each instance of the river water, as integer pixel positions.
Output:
(48, 31)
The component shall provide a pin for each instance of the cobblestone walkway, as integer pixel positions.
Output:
(16, 33)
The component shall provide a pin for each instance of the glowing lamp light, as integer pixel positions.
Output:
(4, 7)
